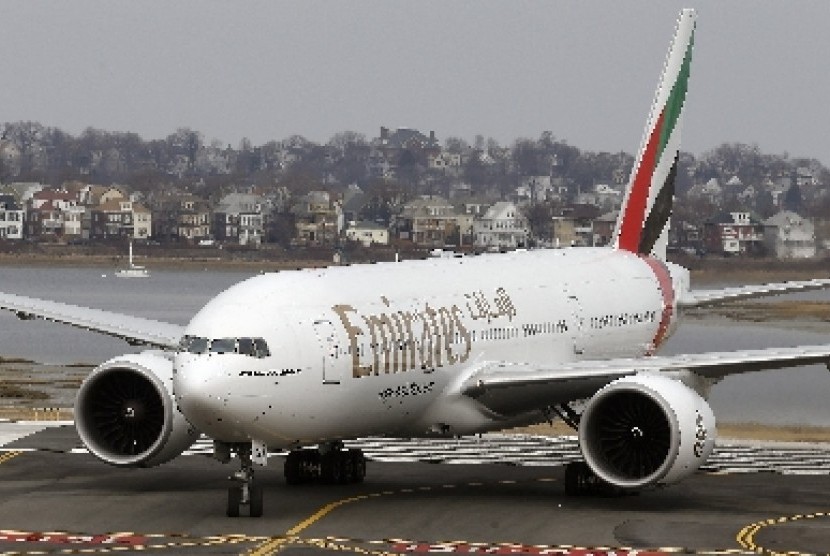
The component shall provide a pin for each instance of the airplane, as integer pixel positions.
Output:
(305, 360)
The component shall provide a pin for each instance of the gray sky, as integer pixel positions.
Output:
(265, 70)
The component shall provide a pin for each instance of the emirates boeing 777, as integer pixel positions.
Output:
(304, 360)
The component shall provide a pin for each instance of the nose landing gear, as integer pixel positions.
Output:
(244, 491)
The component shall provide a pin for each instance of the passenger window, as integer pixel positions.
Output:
(223, 345)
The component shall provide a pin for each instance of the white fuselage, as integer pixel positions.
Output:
(381, 349)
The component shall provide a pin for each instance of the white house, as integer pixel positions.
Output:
(11, 218)
(502, 227)
(239, 217)
(789, 236)
(368, 233)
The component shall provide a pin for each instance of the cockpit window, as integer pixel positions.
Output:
(252, 347)
(246, 346)
(261, 348)
(193, 344)
(223, 345)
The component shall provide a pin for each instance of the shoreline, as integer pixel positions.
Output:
(709, 271)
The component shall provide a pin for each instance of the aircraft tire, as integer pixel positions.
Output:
(331, 468)
(256, 502)
(234, 500)
(358, 466)
(576, 474)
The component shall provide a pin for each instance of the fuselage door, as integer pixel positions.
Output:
(576, 327)
(327, 337)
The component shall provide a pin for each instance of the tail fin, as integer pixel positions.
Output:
(643, 222)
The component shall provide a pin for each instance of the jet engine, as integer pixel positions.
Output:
(645, 430)
(126, 415)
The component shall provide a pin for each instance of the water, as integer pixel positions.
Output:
(169, 296)
(789, 396)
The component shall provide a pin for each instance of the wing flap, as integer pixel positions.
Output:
(506, 387)
(702, 298)
(135, 330)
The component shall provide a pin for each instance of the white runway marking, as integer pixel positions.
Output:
(506, 449)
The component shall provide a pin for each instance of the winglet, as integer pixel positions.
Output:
(643, 222)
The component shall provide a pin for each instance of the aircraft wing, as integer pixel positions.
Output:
(701, 298)
(507, 388)
(135, 330)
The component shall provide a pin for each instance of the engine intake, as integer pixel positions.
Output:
(646, 429)
(125, 413)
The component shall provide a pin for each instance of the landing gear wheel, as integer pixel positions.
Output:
(293, 468)
(332, 468)
(579, 479)
(358, 465)
(234, 501)
(255, 502)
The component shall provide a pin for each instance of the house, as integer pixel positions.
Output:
(789, 236)
(120, 218)
(12, 218)
(503, 226)
(73, 220)
(734, 233)
(429, 221)
(239, 217)
(604, 227)
(316, 219)
(182, 216)
(535, 188)
(602, 195)
(574, 226)
(368, 233)
(45, 219)
(710, 191)
(444, 160)
(402, 147)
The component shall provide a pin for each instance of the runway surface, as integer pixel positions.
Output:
(499, 494)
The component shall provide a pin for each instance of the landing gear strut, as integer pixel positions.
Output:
(331, 464)
(243, 490)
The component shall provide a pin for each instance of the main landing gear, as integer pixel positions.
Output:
(331, 464)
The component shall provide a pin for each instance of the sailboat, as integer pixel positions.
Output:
(133, 270)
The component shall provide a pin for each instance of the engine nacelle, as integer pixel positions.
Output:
(644, 430)
(125, 413)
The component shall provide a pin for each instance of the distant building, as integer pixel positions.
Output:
(120, 218)
(502, 227)
(574, 226)
(182, 216)
(239, 218)
(316, 218)
(12, 218)
(604, 226)
(429, 221)
(789, 236)
(734, 233)
(368, 233)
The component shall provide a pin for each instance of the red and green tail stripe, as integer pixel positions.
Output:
(637, 234)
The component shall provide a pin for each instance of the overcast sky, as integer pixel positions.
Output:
(265, 70)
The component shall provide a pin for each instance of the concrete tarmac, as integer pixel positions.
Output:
(53, 501)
